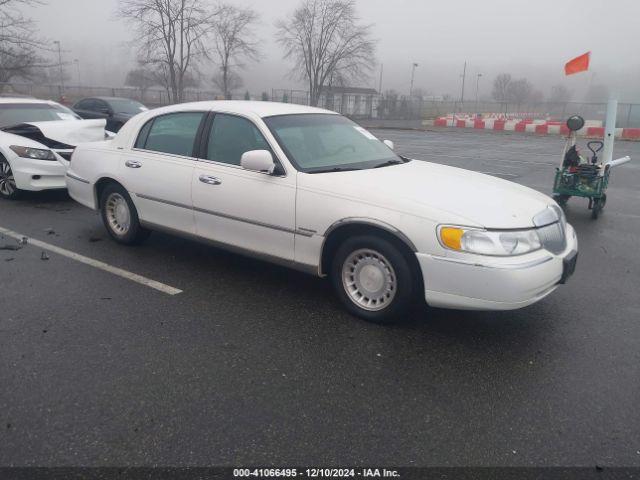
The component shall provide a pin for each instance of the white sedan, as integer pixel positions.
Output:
(312, 190)
(35, 135)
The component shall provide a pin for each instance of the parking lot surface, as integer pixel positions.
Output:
(253, 364)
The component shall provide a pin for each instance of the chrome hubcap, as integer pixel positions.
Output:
(7, 182)
(118, 214)
(369, 280)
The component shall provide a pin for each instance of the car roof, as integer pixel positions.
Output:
(25, 100)
(107, 99)
(261, 109)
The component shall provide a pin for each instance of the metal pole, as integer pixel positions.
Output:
(464, 76)
(380, 84)
(477, 90)
(77, 62)
(413, 74)
(60, 62)
(610, 129)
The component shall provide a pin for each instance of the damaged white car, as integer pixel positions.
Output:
(35, 137)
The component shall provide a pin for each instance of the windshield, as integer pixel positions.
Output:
(16, 113)
(325, 142)
(129, 107)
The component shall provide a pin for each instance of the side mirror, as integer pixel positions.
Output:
(575, 123)
(389, 144)
(258, 161)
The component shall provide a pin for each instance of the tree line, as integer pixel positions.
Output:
(323, 39)
(521, 91)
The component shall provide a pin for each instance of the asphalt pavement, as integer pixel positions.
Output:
(253, 364)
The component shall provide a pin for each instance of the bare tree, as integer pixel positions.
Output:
(228, 84)
(597, 93)
(141, 78)
(19, 42)
(171, 35)
(519, 91)
(560, 94)
(234, 43)
(327, 44)
(536, 97)
(501, 87)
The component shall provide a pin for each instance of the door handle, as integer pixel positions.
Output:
(209, 180)
(133, 164)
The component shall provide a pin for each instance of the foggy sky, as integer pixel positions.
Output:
(527, 39)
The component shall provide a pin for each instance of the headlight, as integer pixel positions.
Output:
(483, 242)
(33, 153)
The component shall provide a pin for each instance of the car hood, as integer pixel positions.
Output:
(66, 132)
(441, 193)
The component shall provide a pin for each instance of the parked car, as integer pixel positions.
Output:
(312, 190)
(116, 111)
(34, 136)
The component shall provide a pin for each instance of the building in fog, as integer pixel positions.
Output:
(350, 101)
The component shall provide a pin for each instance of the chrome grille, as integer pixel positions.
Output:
(553, 237)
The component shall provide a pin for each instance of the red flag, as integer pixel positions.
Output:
(578, 64)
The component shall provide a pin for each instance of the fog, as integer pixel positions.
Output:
(525, 39)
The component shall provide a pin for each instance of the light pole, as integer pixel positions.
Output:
(477, 90)
(77, 62)
(464, 77)
(413, 74)
(57, 42)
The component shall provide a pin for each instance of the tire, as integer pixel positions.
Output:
(561, 200)
(598, 206)
(120, 216)
(8, 189)
(382, 268)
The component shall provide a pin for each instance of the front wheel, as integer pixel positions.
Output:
(561, 199)
(373, 279)
(8, 187)
(120, 216)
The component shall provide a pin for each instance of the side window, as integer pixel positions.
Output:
(174, 133)
(143, 135)
(87, 104)
(230, 137)
(100, 106)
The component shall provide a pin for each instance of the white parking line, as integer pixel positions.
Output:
(93, 263)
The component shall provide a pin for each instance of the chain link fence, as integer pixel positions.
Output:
(359, 106)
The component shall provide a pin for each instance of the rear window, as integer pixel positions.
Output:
(16, 113)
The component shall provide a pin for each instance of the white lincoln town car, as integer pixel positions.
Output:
(312, 190)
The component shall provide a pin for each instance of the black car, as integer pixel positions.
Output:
(117, 111)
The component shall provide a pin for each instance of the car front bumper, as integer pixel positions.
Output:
(495, 283)
(36, 175)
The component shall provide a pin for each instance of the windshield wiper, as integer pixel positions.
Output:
(388, 163)
(335, 169)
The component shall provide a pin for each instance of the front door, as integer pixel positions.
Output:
(251, 210)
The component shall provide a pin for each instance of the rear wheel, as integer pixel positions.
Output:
(8, 187)
(373, 279)
(120, 216)
(598, 206)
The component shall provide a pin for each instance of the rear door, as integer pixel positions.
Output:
(251, 210)
(159, 170)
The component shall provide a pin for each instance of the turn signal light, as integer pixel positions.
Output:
(451, 237)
